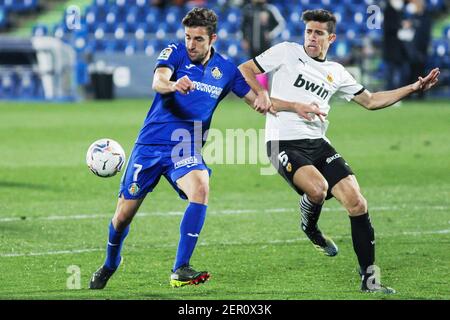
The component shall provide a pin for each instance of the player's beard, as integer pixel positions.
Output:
(202, 57)
(199, 58)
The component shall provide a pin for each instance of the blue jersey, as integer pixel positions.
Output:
(173, 111)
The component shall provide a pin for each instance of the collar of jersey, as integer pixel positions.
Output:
(317, 59)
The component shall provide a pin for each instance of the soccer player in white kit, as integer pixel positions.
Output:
(299, 149)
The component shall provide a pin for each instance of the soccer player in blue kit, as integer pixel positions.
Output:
(190, 80)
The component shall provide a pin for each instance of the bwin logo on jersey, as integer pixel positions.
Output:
(311, 86)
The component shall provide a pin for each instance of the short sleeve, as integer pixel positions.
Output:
(239, 87)
(169, 57)
(272, 58)
(349, 88)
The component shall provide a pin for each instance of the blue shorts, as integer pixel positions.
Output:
(146, 165)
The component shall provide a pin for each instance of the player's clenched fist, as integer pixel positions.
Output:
(183, 85)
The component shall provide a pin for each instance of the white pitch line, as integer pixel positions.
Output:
(47, 253)
(213, 212)
(227, 243)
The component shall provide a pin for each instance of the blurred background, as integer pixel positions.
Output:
(106, 49)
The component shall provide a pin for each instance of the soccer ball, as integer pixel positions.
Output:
(105, 157)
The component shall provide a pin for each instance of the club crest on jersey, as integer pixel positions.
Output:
(329, 78)
(165, 54)
(133, 189)
(216, 73)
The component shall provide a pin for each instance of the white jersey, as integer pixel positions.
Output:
(300, 78)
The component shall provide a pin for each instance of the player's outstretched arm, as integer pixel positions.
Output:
(250, 98)
(383, 99)
(304, 110)
(163, 85)
(262, 101)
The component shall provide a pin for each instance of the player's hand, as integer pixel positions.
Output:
(183, 85)
(262, 103)
(308, 111)
(428, 82)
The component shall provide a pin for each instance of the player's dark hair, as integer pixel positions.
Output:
(321, 15)
(201, 17)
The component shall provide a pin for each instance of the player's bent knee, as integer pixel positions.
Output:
(200, 194)
(357, 206)
(318, 193)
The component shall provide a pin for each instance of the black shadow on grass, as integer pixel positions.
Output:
(23, 185)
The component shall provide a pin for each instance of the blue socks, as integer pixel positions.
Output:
(115, 242)
(190, 228)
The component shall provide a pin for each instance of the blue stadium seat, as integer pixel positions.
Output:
(340, 48)
(447, 32)
(97, 45)
(79, 40)
(142, 29)
(90, 19)
(100, 4)
(40, 30)
(130, 48)
(100, 31)
(6, 85)
(234, 18)
(59, 30)
(180, 34)
(440, 48)
(435, 5)
(110, 22)
(143, 3)
(25, 85)
(131, 27)
(154, 46)
(118, 45)
(21, 5)
(3, 18)
(79, 43)
(120, 32)
(131, 16)
(136, 14)
(108, 46)
(294, 22)
(223, 30)
(153, 17)
(161, 30)
(173, 19)
(120, 12)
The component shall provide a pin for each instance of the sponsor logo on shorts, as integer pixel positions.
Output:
(330, 159)
(187, 162)
(133, 189)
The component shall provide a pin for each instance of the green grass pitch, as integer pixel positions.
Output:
(54, 213)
